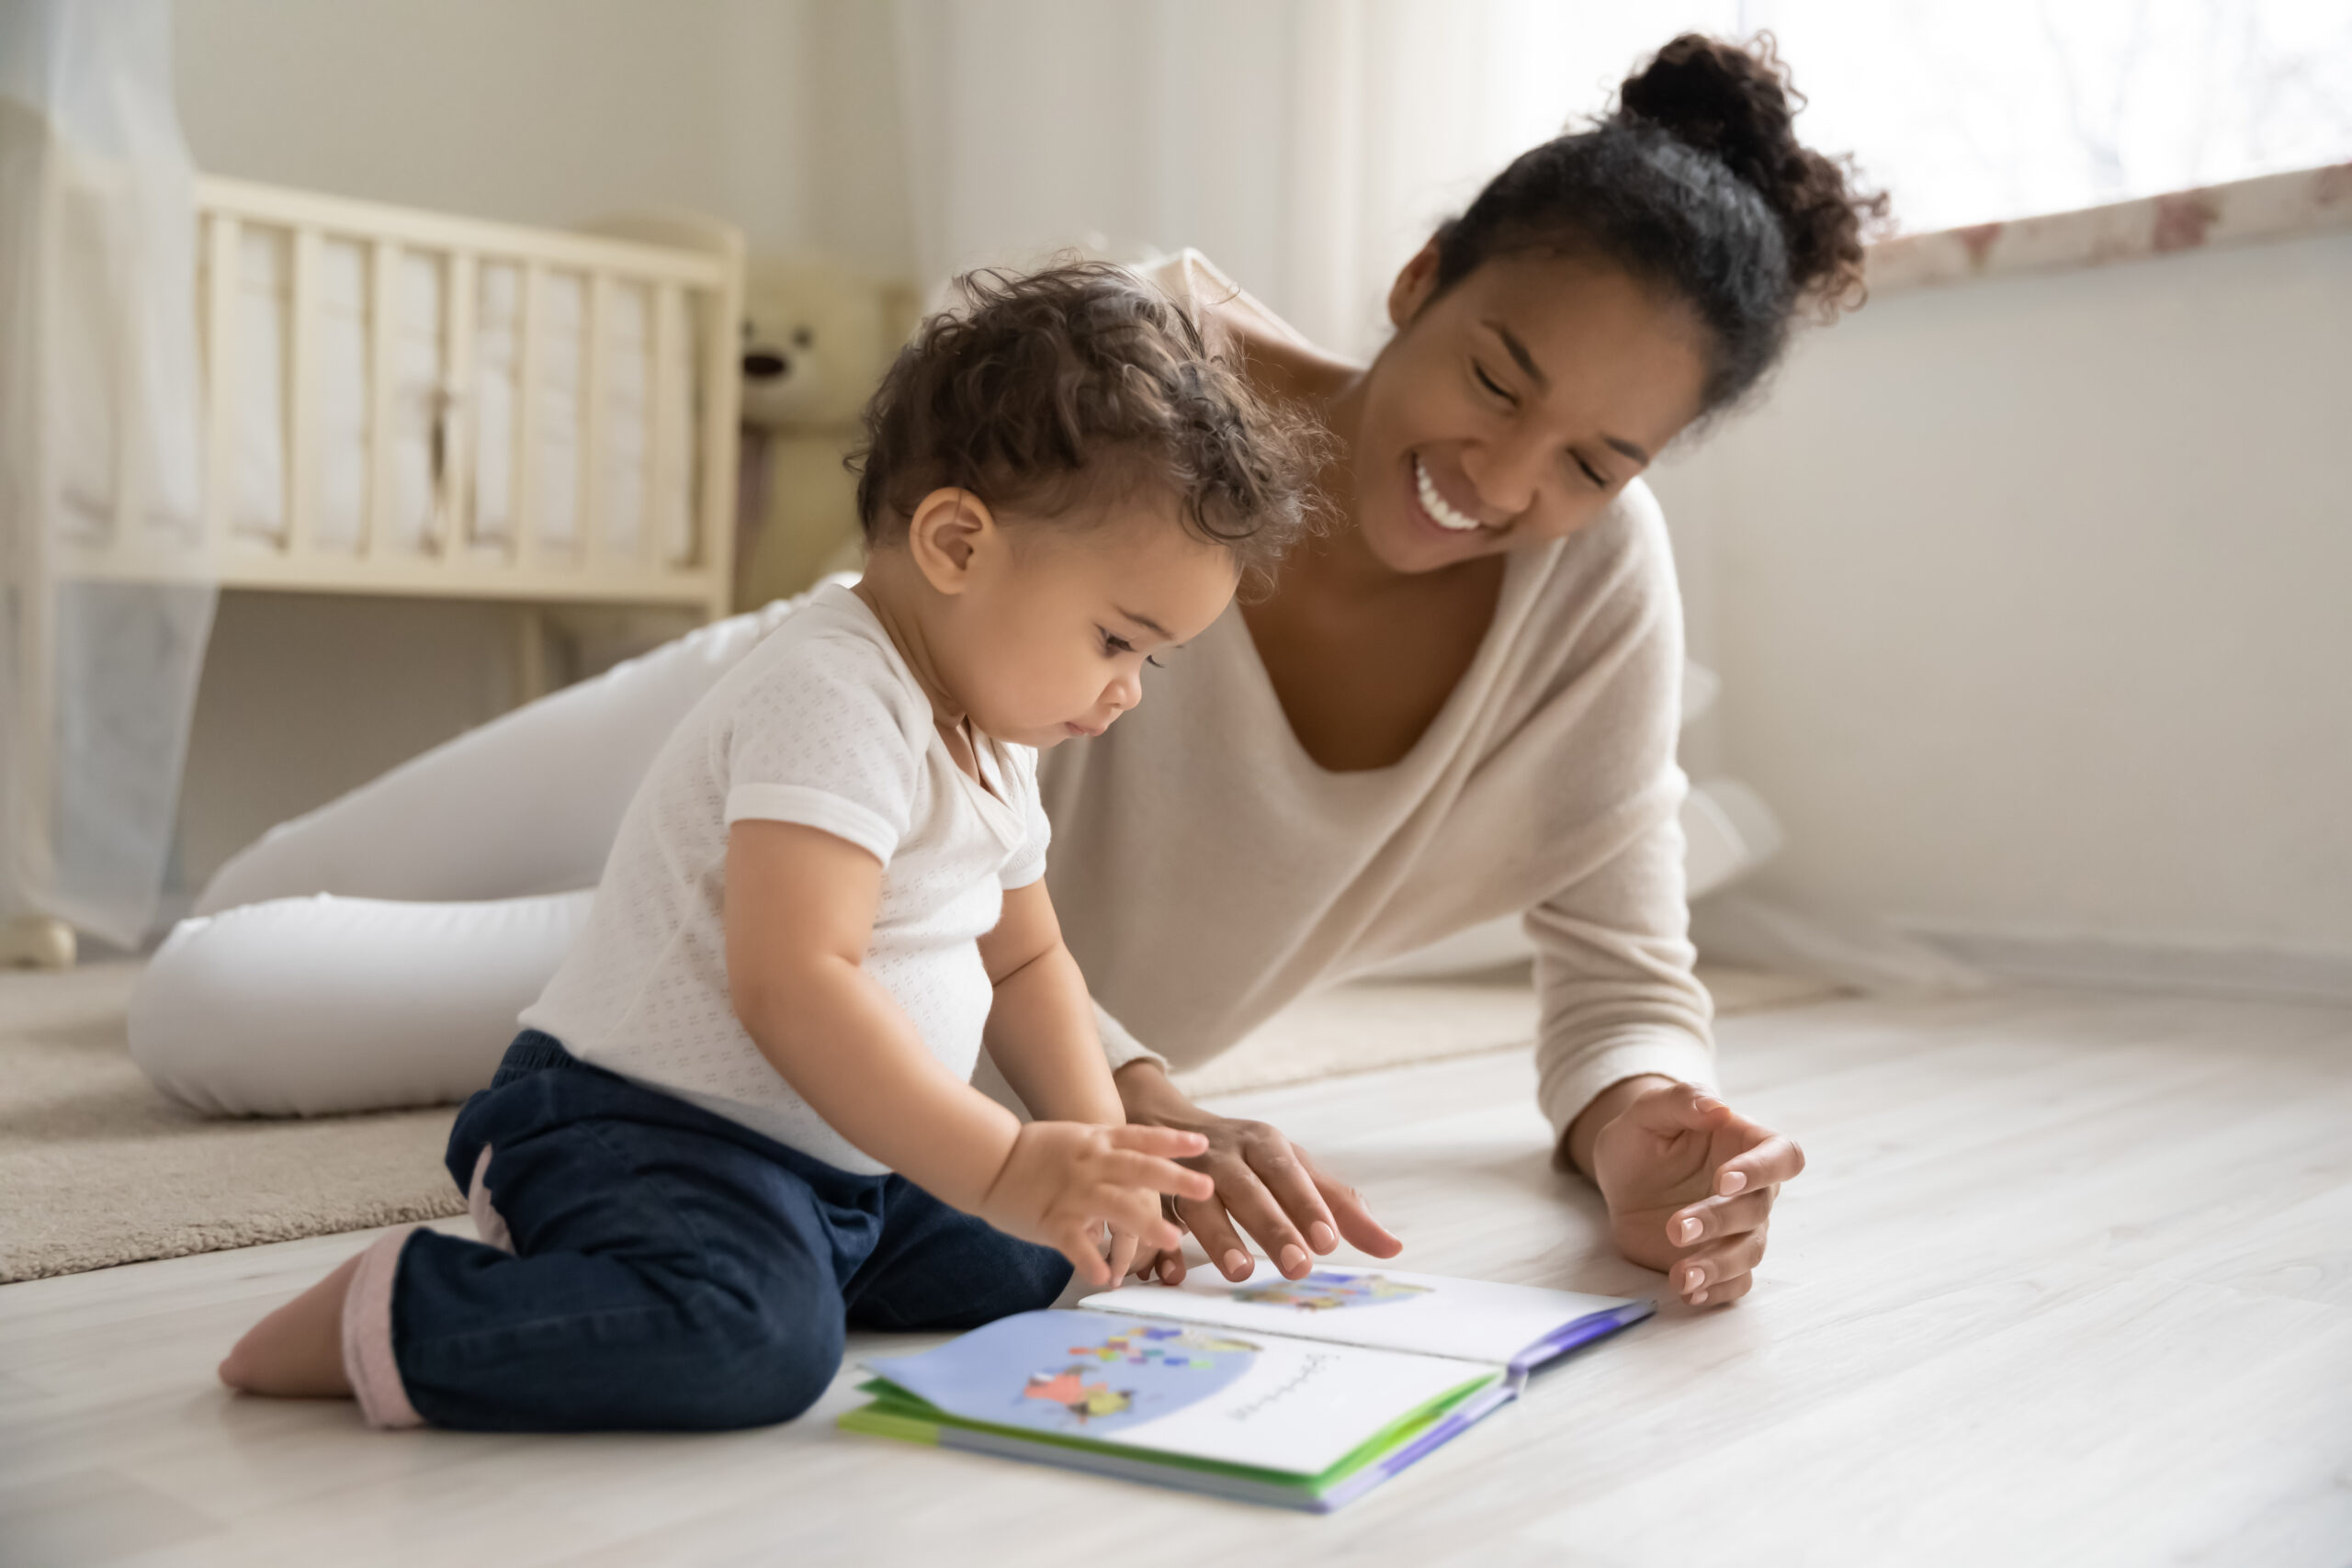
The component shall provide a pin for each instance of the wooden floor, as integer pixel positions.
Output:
(2069, 1282)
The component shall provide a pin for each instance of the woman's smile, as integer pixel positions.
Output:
(1440, 510)
(1439, 522)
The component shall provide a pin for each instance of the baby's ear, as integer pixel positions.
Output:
(946, 535)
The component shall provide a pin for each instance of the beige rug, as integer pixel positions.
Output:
(98, 1168)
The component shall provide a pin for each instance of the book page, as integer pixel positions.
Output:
(1384, 1309)
(1281, 1405)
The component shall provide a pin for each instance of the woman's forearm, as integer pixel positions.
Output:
(1147, 1091)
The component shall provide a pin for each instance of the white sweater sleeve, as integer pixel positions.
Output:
(1612, 952)
(1120, 1046)
(1612, 974)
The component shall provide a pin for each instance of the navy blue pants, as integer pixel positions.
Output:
(671, 1268)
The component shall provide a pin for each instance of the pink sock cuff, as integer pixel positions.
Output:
(368, 1336)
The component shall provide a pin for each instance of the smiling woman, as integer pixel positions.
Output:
(1475, 670)
(1458, 702)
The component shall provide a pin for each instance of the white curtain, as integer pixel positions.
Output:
(104, 608)
(1307, 146)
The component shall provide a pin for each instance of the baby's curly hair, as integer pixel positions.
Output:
(1065, 392)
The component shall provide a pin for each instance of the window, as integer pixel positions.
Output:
(2002, 108)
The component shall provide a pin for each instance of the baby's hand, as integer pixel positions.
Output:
(1064, 1180)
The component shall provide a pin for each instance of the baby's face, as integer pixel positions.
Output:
(1055, 633)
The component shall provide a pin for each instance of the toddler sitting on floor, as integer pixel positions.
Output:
(741, 1116)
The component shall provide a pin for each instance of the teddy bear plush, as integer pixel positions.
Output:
(816, 339)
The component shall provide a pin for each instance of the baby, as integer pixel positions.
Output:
(741, 1116)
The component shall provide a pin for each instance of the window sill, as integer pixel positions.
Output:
(2269, 206)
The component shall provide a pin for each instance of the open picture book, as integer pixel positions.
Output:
(1304, 1393)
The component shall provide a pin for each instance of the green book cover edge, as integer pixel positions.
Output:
(896, 1413)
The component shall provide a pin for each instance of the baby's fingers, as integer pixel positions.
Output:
(1139, 1214)
(1149, 1174)
(1081, 1243)
(1124, 1243)
(1165, 1142)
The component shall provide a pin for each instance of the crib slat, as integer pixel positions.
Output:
(593, 383)
(713, 544)
(302, 393)
(383, 365)
(223, 257)
(525, 547)
(459, 404)
(663, 454)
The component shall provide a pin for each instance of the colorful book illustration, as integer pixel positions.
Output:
(1304, 1393)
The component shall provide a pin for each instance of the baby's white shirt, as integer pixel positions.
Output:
(823, 724)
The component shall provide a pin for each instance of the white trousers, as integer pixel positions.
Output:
(375, 953)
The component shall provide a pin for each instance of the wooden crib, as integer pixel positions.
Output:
(406, 402)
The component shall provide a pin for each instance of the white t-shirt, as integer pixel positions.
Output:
(822, 724)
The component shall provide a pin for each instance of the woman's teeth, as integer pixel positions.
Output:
(1444, 516)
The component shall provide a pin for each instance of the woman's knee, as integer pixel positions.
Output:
(310, 1005)
(174, 1009)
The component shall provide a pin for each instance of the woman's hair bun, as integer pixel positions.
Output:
(1736, 103)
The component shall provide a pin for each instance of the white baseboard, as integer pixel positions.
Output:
(2110, 963)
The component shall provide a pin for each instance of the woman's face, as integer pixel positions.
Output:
(1511, 409)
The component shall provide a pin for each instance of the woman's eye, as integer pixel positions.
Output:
(1491, 383)
(1590, 473)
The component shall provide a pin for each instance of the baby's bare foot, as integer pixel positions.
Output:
(297, 1351)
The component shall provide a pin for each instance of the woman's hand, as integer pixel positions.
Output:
(1267, 1187)
(1688, 1181)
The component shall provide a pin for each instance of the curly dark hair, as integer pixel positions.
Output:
(1697, 182)
(1070, 389)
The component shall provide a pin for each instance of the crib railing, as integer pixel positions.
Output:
(446, 475)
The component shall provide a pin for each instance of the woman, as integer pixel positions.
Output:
(1459, 703)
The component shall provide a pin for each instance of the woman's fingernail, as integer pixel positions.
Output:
(1319, 1236)
(1733, 1182)
(1693, 1278)
(1688, 1230)
(1293, 1258)
(1699, 1300)
(1237, 1264)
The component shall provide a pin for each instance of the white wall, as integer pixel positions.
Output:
(1308, 146)
(2034, 603)
(555, 112)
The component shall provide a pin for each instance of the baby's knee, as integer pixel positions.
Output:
(758, 1363)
